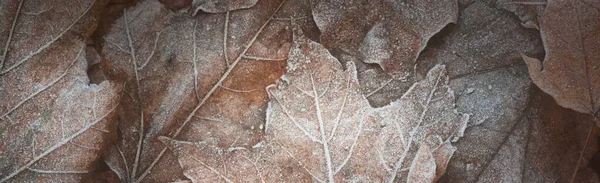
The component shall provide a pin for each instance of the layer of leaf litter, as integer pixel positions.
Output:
(192, 79)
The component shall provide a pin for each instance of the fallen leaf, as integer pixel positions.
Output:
(571, 70)
(53, 122)
(319, 115)
(425, 114)
(442, 156)
(196, 78)
(315, 134)
(391, 34)
(423, 166)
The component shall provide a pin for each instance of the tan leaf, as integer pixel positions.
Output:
(388, 33)
(571, 70)
(424, 114)
(320, 128)
(53, 122)
(318, 112)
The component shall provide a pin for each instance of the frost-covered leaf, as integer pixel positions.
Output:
(571, 70)
(318, 112)
(424, 114)
(198, 78)
(53, 122)
(423, 166)
(321, 128)
(442, 156)
(388, 33)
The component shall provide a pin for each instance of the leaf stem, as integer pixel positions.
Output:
(322, 130)
(587, 139)
(139, 96)
(10, 34)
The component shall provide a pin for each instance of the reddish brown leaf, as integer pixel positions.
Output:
(53, 122)
(571, 70)
(423, 167)
(442, 156)
(196, 78)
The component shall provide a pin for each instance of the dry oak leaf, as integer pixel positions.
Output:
(319, 127)
(388, 33)
(53, 122)
(193, 78)
(571, 70)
